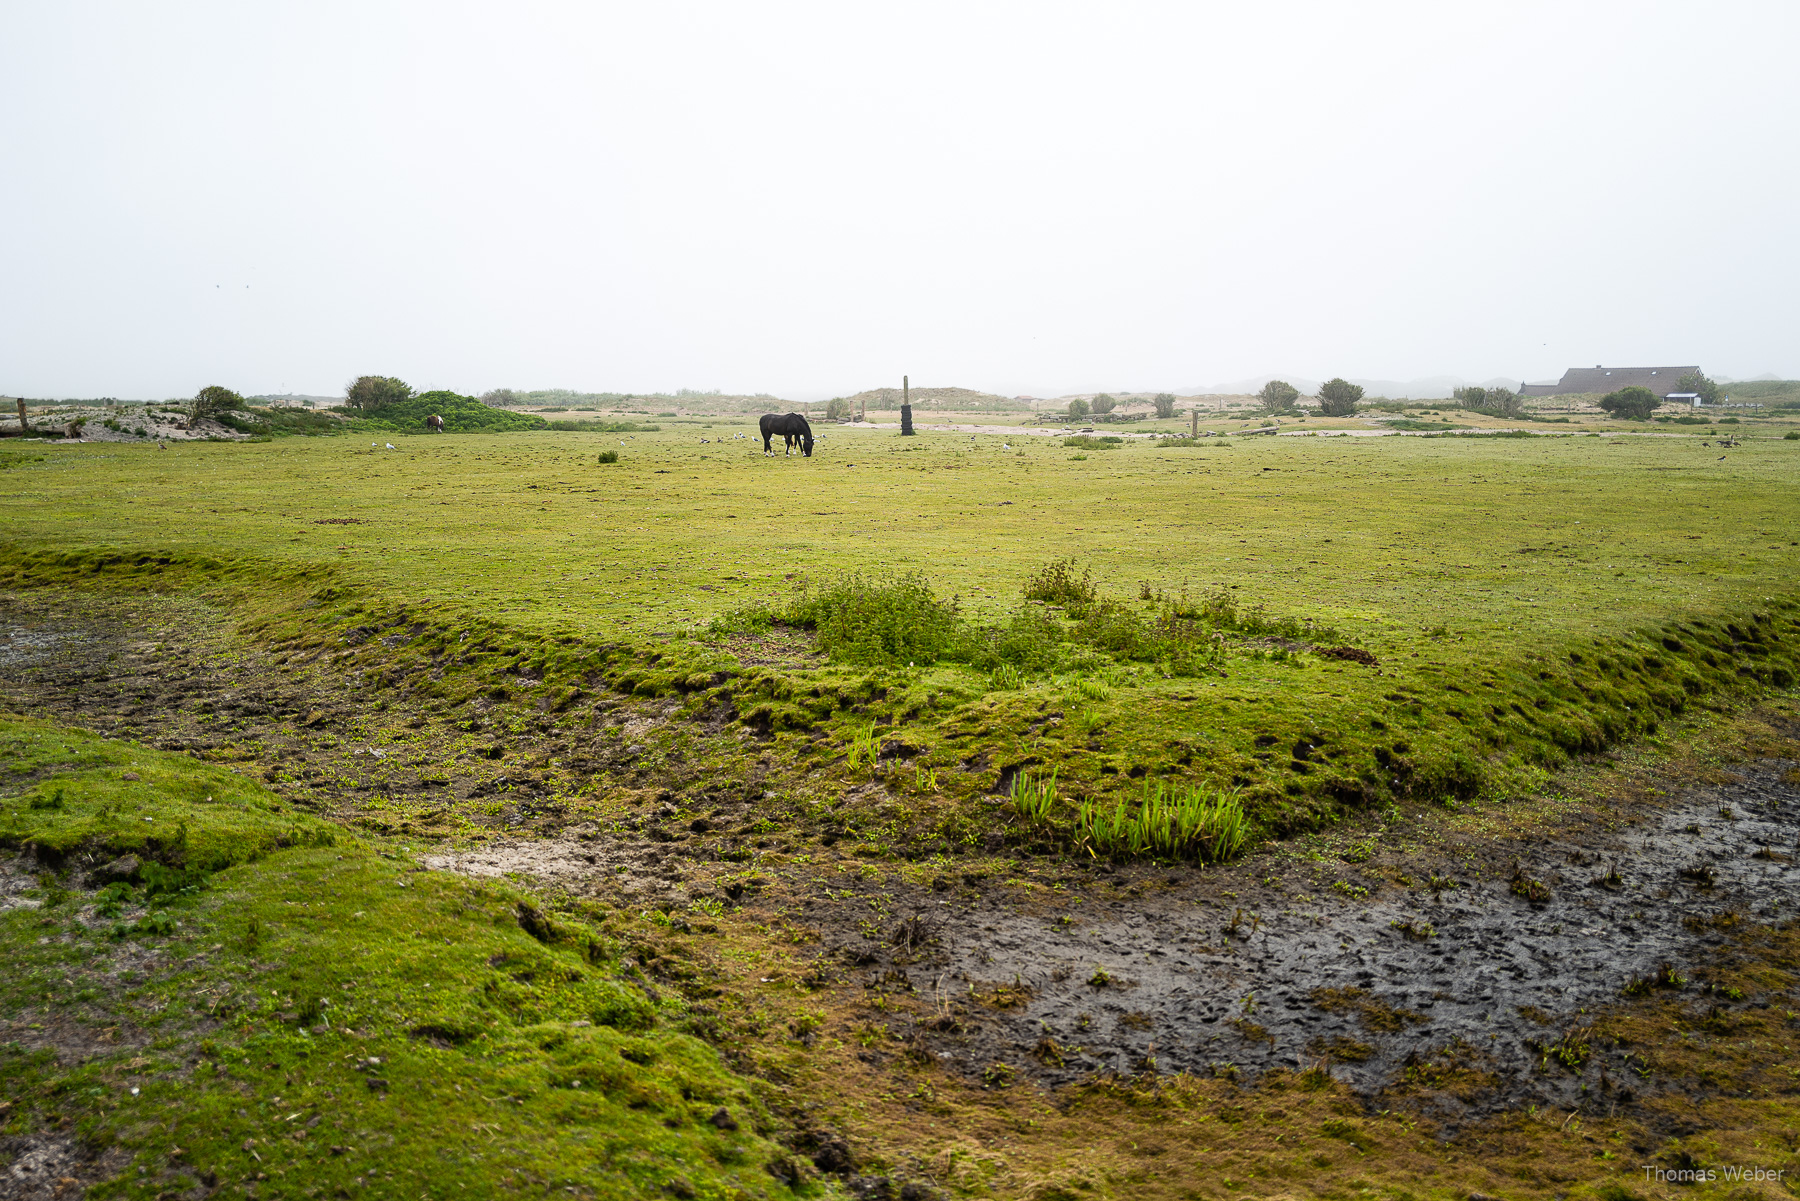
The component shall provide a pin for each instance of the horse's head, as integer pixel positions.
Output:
(806, 445)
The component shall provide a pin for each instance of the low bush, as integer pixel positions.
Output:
(461, 414)
(1057, 584)
(1496, 402)
(901, 622)
(1633, 403)
(879, 623)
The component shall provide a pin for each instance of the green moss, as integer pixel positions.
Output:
(327, 1014)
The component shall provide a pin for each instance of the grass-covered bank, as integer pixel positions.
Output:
(317, 1015)
(1109, 699)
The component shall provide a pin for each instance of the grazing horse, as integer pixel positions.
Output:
(793, 430)
(435, 424)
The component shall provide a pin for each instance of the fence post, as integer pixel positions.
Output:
(23, 425)
(1194, 422)
(906, 429)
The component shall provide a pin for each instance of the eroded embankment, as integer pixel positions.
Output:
(1305, 739)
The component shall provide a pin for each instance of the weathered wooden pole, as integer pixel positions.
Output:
(906, 429)
(1194, 422)
(23, 426)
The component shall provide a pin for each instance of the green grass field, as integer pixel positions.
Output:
(1516, 593)
(1377, 536)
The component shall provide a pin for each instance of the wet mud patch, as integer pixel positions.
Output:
(52, 1167)
(1470, 973)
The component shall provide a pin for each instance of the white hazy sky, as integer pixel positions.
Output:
(811, 199)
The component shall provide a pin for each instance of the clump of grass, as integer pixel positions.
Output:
(1092, 689)
(865, 748)
(1179, 822)
(609, 456)
(1089, 442)
(1005, 677)
(1533, 890)
(1034, 794)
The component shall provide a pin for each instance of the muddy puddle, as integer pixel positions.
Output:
(1367, 987)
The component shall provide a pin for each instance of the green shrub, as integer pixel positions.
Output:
(609, 456)
(372, 392)
(1057, 584)
(1165, 404)
(1791, 436)
(1278, 396)
(1104, 403)
(1497, 402)
(461, 414)
(1338, 398)
(1078, 408)
(1031, 641)
(879, 623)
(214, 402)
(1633, 403)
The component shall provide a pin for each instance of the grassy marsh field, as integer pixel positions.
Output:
(702, 863)
(1479, 574)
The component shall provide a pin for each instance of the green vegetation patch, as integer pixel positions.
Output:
(328, 1018)
(85, 797)
(461, 414)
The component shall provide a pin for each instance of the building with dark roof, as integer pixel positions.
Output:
(1660, 380)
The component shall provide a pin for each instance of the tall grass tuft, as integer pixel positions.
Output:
(1179, 822)
(1092, 689)
(865, 749)
(1033, 795)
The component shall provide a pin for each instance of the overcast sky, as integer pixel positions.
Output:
(814, 199)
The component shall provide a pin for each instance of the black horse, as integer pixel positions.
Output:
(793, 430)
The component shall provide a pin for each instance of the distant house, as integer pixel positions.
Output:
(1660, 380)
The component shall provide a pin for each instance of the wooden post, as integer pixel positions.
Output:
(23, 426)
(906, 426)
(1194, 422)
